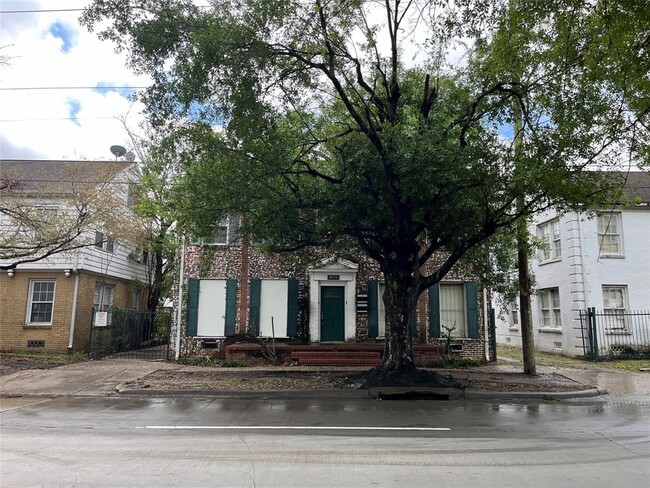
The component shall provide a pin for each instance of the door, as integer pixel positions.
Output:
(332, 313)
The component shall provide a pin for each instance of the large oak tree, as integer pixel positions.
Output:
(384, 125)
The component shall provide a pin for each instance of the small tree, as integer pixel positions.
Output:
(156, 177)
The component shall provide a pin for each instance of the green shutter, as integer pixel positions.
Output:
(434, 311)
(254, 306)
(292, 308)
(471, 304)
(373, 309)
(192, 307)
(231, 306)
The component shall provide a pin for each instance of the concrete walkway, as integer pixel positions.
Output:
(90, 378)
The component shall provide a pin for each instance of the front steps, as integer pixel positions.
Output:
(325, 354)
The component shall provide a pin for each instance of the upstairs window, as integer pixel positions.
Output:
(549, 233)
(104, 242)
(609, 234)
(220, 235)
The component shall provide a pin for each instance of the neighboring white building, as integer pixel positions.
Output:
(600, 261)
(48, 303)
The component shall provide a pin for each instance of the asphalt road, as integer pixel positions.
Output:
(193, 442)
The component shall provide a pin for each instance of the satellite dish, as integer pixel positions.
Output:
(130, 157)
(118, 151)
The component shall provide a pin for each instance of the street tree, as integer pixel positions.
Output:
(383, 126)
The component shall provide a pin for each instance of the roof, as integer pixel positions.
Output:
(57, 178)
(636, 185)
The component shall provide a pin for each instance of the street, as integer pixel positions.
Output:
(144, 442)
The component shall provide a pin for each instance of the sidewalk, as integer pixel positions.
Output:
(127, 377)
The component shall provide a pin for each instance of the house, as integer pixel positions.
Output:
(79, 208)
(231, 296)
(591, 260)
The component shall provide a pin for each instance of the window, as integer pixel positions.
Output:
(614, 306)
(549, 309)
(549, 233)
(140, 255)
(219, 237)
(41, 302)
(452, 310)
(136, 300)
(104, 242)
(223, 234)
(609, 234)
(104, 296)
(513, 315)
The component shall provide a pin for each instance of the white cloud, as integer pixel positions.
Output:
(37, 123)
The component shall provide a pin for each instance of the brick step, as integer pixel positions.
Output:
(340, 361)
(335, 354)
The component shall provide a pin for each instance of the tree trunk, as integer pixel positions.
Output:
(527, 345)
(400, 299)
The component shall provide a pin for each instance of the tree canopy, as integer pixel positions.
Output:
(388, 126)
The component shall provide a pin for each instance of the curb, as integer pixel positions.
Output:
(390, 393)
(276, 394)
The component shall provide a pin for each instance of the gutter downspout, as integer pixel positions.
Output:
(179, 310)
(75, 297)
(486, 326)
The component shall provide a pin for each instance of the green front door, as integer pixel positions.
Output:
(332, 323)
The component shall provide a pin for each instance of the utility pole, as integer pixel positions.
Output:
(527, 344)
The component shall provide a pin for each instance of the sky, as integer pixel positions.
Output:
(48, 49)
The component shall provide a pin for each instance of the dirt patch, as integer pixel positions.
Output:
(13, 363)
(241, 380)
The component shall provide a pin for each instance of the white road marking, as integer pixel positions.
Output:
(287, 427)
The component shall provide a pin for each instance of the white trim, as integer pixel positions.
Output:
(347, 277)
(28, 315)
(179, 310)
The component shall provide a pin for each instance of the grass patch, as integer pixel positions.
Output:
(46, 357)
(559, 360)
(209, 360)
(449, 363)
(631, 365)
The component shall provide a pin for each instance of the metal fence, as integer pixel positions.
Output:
(132, 334)
(615, 335)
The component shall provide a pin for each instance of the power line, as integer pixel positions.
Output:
(54, 10)
(17, 88)
(64, 118)
(41, 11)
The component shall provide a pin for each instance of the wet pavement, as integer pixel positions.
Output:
(186, 442)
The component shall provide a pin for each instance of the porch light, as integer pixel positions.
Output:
(10, 273)
(66, 272)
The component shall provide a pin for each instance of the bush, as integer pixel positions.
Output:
(209, 360)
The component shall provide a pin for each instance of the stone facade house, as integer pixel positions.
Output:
(231, 294)
(47, 305)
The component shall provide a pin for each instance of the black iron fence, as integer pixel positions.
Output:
(615, 335)
(130, 333)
